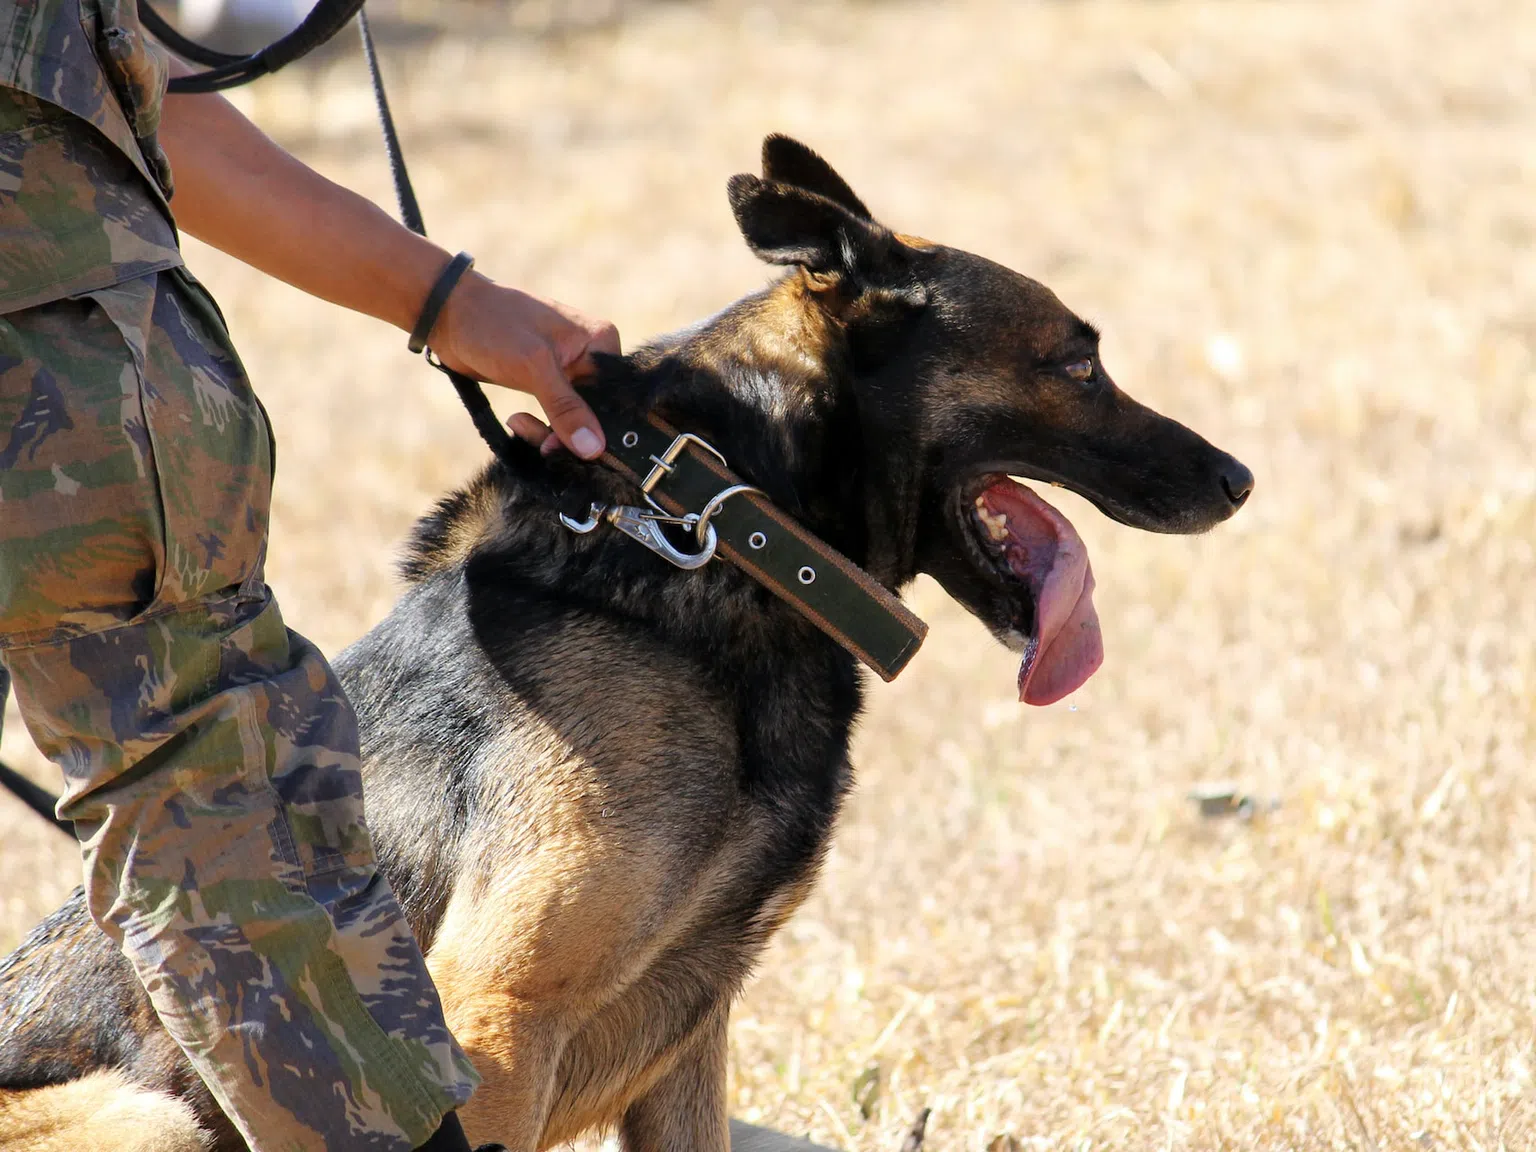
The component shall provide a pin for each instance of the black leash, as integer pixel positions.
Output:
(224, 70)
(486, 422)
(38, 799)
(405, 195)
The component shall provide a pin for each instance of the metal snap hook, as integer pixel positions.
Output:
(582, 527)
(640, 524)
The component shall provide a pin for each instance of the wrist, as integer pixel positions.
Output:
(451, 336)
(437, 299)
(405, 269)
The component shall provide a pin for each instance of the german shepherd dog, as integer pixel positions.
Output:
(598, 783)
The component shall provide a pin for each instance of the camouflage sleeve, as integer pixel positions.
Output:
(83, 182)
(92, 59)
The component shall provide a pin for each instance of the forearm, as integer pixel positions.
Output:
(241, 193)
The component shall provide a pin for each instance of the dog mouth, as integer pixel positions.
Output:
(1043, 566)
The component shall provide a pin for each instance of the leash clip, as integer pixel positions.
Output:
(645, 526)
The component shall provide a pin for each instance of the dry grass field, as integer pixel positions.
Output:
(1309, 230)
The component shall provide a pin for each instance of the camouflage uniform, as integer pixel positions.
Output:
(209, 755)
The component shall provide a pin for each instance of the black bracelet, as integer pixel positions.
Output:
(436, 298)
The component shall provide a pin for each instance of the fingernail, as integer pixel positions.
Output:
(586, 443)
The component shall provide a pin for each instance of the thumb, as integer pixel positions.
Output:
(568, 414)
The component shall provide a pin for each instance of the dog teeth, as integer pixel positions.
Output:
(996, 523)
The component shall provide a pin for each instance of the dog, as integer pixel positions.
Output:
(599, 783)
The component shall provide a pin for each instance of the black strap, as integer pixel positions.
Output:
(471, 395)
(441, 289)
(35, 798)
(405, 195)
(763, 541)
(224, 70)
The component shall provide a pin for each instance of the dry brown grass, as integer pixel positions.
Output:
(1307, 229)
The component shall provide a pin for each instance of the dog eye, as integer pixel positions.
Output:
(1079, 369)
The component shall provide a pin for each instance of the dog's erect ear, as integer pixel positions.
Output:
(785, 224)
(791, 162)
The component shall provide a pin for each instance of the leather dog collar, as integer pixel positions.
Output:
(687, 484)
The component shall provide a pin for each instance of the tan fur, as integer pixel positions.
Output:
(543, 971)
(788, 329)
(102, 1111)
(542, 980)
(783, 904)
(480, 512)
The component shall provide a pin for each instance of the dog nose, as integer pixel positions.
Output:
(1236, 481)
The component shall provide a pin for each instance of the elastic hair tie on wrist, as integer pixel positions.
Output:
(436, 298)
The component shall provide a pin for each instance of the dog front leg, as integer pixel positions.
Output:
(515, 1050)
(685, 1110)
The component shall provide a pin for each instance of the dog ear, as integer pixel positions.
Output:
(791, 162)
(785, 224)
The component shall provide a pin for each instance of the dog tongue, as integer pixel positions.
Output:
(1045, 551)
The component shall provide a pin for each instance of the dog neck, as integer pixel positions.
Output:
(789, 394)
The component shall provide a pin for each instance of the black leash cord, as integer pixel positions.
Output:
(410, 209)
(224, 70)
(486, 422)
(38, 799)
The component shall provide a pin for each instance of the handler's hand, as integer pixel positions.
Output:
(507, 337)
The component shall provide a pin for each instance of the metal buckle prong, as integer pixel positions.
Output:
(663, 464)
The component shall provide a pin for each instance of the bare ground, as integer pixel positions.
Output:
(1307, 229)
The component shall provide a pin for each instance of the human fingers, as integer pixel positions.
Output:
(570, 418)
(600, 336)
(517, 340)
(527, 426)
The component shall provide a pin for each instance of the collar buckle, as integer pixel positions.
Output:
(662, 465)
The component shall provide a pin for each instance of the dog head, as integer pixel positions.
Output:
(964, 374)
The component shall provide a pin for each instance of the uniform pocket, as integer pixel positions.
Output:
(81, 537)
(138, 470)
(212, 447)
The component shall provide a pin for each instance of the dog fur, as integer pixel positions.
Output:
(599, 784)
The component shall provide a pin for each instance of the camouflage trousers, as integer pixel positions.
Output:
(209, 755)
